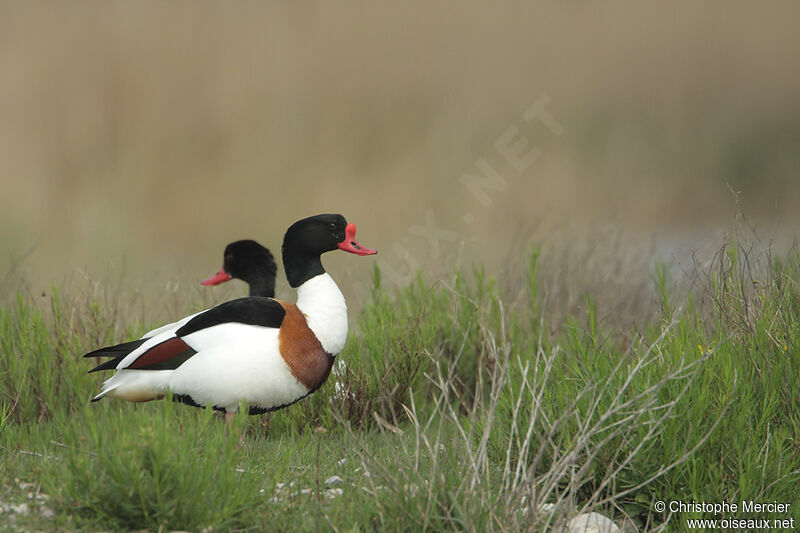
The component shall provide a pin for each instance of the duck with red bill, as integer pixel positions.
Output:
(256, 351)
(250, 262)
(349, 243)
(216, 279)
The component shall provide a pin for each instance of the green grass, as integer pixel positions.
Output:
(131, 472)
(460, 406)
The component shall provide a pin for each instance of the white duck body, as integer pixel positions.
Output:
(261, 351)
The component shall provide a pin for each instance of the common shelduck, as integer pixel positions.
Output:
(250, 262)
(263, 352)
(246, 260)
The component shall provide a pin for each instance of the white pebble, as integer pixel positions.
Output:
(20, 509)
(592, 523)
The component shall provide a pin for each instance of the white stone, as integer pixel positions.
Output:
(334, 480)
(20, 509)
(591, 523)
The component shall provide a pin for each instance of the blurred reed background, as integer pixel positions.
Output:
(138, 138)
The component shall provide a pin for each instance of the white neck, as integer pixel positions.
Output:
(321, 301)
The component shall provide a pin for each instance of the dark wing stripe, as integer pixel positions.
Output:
(118, 352)
(119, 349)
(255, 311)
(108, 365)
(168, 355)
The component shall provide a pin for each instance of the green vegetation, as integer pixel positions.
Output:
(457, 405)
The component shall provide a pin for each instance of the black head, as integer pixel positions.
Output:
(250, 262)
(306, 240)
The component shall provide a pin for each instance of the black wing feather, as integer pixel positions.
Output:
(116, 352)
(108, 365)
(117, 349)
(255, 311)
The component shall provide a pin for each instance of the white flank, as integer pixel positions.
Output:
(135, 385)
(234, 363)
(323, 304)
